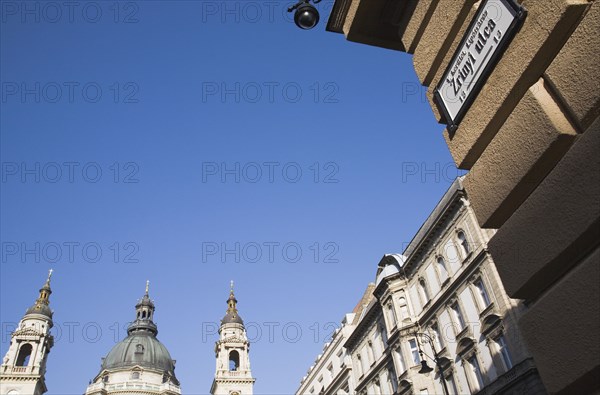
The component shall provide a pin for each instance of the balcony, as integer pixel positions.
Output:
(7, 369)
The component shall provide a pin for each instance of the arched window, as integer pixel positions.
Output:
(403, 309)
(135, 375)
(442, 268)
(484, 298)
(24, 354)
(143, 315)
(234, 360)
(464, 243)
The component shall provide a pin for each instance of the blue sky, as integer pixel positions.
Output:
(192, 143)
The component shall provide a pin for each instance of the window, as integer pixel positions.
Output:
(503, 350)
(135, 375)
(393, 380)
(24, 355)
(437, 337)
(423, 291)
(383, 335)
(403, 309)
(378, 345)
(474, 374)
(400, 360)
(359, 365)
(414, 351)
(484, 298)
(464, 243)
(442, 268)
(340, 356)
(234, 360)
(451, 383)
(346, 388)
(377, 387)
(364, 361)
(105, 379)
(391, 315)
(370, 353)
(457, 315)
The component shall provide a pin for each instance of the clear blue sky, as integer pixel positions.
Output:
(190, 89)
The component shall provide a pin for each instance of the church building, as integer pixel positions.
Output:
(24, 367)
(140, 364)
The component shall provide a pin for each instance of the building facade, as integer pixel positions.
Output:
(440, 302)
(333, 368)
(527, 127)
(23, 368)
(140, 363)
(233, 374)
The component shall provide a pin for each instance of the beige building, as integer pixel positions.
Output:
(440, 302)
(517, 83)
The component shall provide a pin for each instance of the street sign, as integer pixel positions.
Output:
(488, 35)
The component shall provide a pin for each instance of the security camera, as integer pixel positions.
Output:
(306, 16)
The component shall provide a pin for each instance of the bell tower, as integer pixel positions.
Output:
(24, 366)
(233, 375)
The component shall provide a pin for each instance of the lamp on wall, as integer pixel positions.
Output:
(425, 368)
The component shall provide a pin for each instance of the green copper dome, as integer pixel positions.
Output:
(140, 349)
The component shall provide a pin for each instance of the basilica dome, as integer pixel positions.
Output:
(140, 349)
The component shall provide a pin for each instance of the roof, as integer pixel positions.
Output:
(140, 348)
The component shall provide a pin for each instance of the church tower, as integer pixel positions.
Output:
(24, 366)
(139, 364)
(233, 375)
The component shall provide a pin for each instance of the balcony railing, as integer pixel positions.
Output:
(19, 369)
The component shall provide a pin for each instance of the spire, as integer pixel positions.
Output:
(232, 315)
(41, 305)
(144, 312)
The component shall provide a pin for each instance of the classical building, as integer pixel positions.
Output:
(23, 368)
(517, 83)
(442, 303)
(139, 364)
(333, 368)
(233, 374)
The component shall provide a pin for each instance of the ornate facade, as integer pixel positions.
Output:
(138, 365)
(527, 127)
(233, 374)
(23, 368)
(437, 316)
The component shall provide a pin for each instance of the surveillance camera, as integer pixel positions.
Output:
(306, 16)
